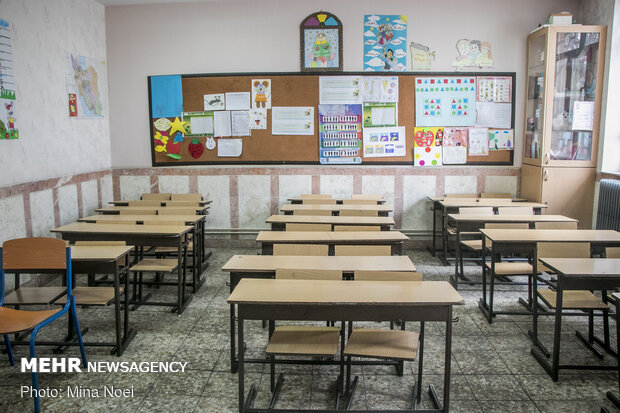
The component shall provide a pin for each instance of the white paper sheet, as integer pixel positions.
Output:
(238, 100)
(215, 101)
(222, 126)
(493, 115)
(202, 124)
(478, 142)
(454, 155)
(583, 115)
(292, 120)
(229, 147)
(383, 116)
(340, 89)
(240, 120)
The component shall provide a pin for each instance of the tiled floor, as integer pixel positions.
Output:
(492, 370)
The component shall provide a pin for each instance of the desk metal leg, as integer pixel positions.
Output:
(240, 367)
(448, 364)
(444, 238)
(233, 362)
(612, 397)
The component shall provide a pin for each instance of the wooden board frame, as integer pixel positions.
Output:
(304, 150)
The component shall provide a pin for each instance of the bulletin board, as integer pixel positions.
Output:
(287, 89)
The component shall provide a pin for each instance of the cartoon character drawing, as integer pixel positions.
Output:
(321, 51)
(473, 53)
(389, 58)
(384, 34)
(261, 93)
(474, 49)
(215, 100)
(463, 46)
(10, 117)
(484, 59)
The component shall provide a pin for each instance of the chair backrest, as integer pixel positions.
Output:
(362, 250)
(318, 201)
(176, 211)
(183, 203)
(359, 213)
(308, 227)
(158, 197)
(357, 228)
(495, 201)
(363, 275)
(506, 225)
(612, 252)
(556, 225)
(134, 211)
(315, 196)
(115, 222)
(495, 195)
(461, 196)
(476, 210)
(293, 274)
(562, 250)
(150, 202)
(375, 197)
(359, 202)
(171, 221)
(186, 197)
(100, 243)
(515, 210)
(314, 212)
(300, 249)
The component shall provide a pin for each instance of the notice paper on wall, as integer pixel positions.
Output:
(380, 114)
(340, 89)
(494, 89)
(240, 122)
(478, 141)
(221, 123)
(238, 101)
(383, 142)
(583, 115)
(292, 120)
(215, 101)
(494, 115)
(380, 89)
(229, 147)
(198, 123)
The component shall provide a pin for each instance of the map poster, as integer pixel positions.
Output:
(84, 81)
(8, 128)
(340, 130)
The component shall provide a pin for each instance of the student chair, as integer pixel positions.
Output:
(556, 225)
(313, 212)
(149, 202)
(318, 201)
(612, 252)
(40, 255)
(495, 201)
(308, 227)
(362, 250)
(194, 204)
(359, 202)
(176, 211)
(133, 211)
(454, 196)
(356, 228)
(300, 249)
(358, 213)
(186, 197)
(495, 195)
(515, 210)
(156, 197)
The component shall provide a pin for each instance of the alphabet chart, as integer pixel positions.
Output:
(340, 130)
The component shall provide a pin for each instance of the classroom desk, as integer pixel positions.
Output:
(472, 222)
(201, 210)
(163, 203)
(264, 266)
(141, 236)
(575, 274)
(382, 210)
(339, 201)
(278, 222)
(393, 238)
(318, 300)
(452, 206)
(524, 241)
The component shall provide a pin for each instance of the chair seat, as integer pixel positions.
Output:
(91, 296)
(172, 250)
(304, 340)
(389, 344)
(15, 321)
(474, 244)
(154, 264)
(579, 299)
(34, 295)
(512, 268)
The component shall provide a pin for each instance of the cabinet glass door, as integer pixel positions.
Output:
(574, 93)
(534, 110)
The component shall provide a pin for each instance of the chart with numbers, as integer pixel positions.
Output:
(340, 130)
(496, 89)
(445, 101)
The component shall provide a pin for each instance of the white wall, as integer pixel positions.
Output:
(263, 36)
(50, 144)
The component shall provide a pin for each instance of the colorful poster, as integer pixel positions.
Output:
(427, 146)
(339, 90)
(478, 142)
(292, 120)
(84, 79)
(494, 89)
(501, 139)
(8, 124)
(261, 93)
(473, 53)
(340, 128)
(380, 89)
(385, 43)
(384, 142)
(216, 101)
(380, 114)
(445, 101)
(198, 123)
(258, 119)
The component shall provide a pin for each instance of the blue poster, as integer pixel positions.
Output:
(445, 101)
(166, 96)
(385, 43)
(340, 134)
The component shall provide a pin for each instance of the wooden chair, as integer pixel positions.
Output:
(194, 204)
(612, 252)
(556, 225)
(149, 202)
(38, 255)
(358, 213)
(452, 196)
(362, 250)
(300, 249)
(315, 196)
(318, 201)
(313, 212)
(311, 341)
(359, 202)
(515, 210)
(476, 210)
(134, 211)
(495, 201)
(375, 343)
(495, 195)
(308, 227)
(186, 197)
(115, 222)
(156, 197)
(374, 197)
(356, 228)
(176, 211)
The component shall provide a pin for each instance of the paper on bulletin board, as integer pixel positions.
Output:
(261, 93)
(583, 115)
(478, 142)
(501, 139)
(238, 101)
(216, 101)
(198, 123)
(380, 89)
(494, 115)
(292, 120)
(340, 90)
(455, 146)
(240, 123)
(496, 89)
(427, 146)
(221, 123)
(340, 133)
(385, 43)
(384, 142)
(258, 119)
(445, 101)
(380, 114)
(229, 147)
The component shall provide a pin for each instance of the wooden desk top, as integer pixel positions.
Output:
(465, 203)
(509, 218)
(122, 202)
(131, 229)
(367, 237)
(441, 198)
(317, 219)
(269, 263)
(551, 235)
(321, 292)
(199, 209)
(584, 266)
(133, 218)
(99, 252)
(335, 207)
(300, 199)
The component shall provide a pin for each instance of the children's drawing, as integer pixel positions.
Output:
(472, 53)
(258, 119)
(321, 43)
(501, 139)
(427, 146)
(385, 43)
(261, 93)
(420, 56)
(216, 101)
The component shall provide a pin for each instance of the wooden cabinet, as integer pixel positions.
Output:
(562, 117)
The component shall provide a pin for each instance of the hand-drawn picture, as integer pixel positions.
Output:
(261, 93)
(321, 43)
(385, 43)
(473, 53)
(420, 56)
